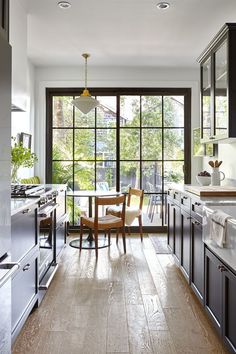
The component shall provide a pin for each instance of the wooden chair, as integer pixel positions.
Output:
(106, 222)
(138, 210)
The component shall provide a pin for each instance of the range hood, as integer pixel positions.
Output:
(15, 108)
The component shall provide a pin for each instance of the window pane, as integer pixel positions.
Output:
(106, 112)
(174, 111)
(84, 144)
(130, 111)
(106, 144)
(173, 172)
(62, 111)
(84, 120)
(129, 175)
(106, 175)
(151, 111)
(62, 173)
(129, 144)
(206, 99)
(151, 144)
(153, 210)
(62, 144)
(84, 175)
(174, 144)
(152, 176)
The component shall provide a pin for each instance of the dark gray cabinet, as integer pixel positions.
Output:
(4, 18)
(174, 226)
(24, 292)
(220, 295)
(197, 259)
(23, 232)
(185, 243)
(218, 86)
(25, 250)
(171, 224)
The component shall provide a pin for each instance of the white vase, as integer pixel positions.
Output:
(216, 177)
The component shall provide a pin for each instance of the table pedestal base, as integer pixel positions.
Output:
(90, 244)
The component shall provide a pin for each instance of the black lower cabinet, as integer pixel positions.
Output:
(220, 296)
(24, 291)
(213, 289)
(229, 309)
(178, 233)
(185, 244)
(171, 225)
(197, 259)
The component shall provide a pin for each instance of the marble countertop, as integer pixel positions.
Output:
(210, 200)
(19, 204)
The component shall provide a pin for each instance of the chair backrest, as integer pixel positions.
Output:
(138, 193)
(121, 199)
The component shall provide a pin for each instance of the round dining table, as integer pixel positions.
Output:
(89, 243)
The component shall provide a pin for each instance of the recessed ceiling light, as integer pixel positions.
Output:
(64, 4)
(163, 5)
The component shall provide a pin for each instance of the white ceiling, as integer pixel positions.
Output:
(124, 32)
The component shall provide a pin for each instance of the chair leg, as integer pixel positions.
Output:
(124, 240)
(96, 242)
(117, 235)
(140, 226)
(109, 236)
(81, 234)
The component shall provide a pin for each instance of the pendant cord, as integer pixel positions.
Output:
(86, 72)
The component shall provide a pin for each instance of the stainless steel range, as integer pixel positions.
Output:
(46, 217)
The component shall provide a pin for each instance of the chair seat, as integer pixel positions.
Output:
(104, 222)
(131, 213)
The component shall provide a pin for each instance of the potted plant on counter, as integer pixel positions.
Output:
(20, 157)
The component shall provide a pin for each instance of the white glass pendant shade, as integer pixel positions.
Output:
(85, 103)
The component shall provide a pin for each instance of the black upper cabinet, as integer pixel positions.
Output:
(218, 87)
(4, 18)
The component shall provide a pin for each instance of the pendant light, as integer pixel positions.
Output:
(85, 103)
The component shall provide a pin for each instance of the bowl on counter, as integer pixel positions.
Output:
(203, 180)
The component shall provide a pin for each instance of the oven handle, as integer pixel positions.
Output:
(13, 267)
(44, 214)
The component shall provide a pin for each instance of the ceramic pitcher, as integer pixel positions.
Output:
(217, 176)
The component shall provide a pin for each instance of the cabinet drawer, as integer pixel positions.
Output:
(186, 202)
(24, 289)
(197, 210)
(23, 232)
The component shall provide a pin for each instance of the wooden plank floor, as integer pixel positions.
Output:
(133, 303)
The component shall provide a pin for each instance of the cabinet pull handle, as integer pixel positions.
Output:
(26, 211)
(212, 137)
(197, 203)
(26, 267)
(196, 223)
(176, 192)
(185, 197)
(189, 217)
(172, 205)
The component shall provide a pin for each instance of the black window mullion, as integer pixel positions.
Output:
(73, 165)
(140, 147)
(118, 143)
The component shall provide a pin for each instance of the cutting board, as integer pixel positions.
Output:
(212, 191)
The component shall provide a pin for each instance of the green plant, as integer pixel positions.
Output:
(21, 157)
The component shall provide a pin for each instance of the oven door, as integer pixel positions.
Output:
(46, 218)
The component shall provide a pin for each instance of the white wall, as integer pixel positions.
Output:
(110, 77)
(22, 76)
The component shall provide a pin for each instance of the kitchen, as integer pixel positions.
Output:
(32, 74)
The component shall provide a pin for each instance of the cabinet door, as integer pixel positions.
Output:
(60, 236)
(197, 257)
(170, 232)
(213, 289)
(186, 235)
(229, 309)
(206, 100)
(24, 290)
(23, 232)
(221, 91)
(178, 232)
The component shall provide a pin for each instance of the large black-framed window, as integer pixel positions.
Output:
(138, 137)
